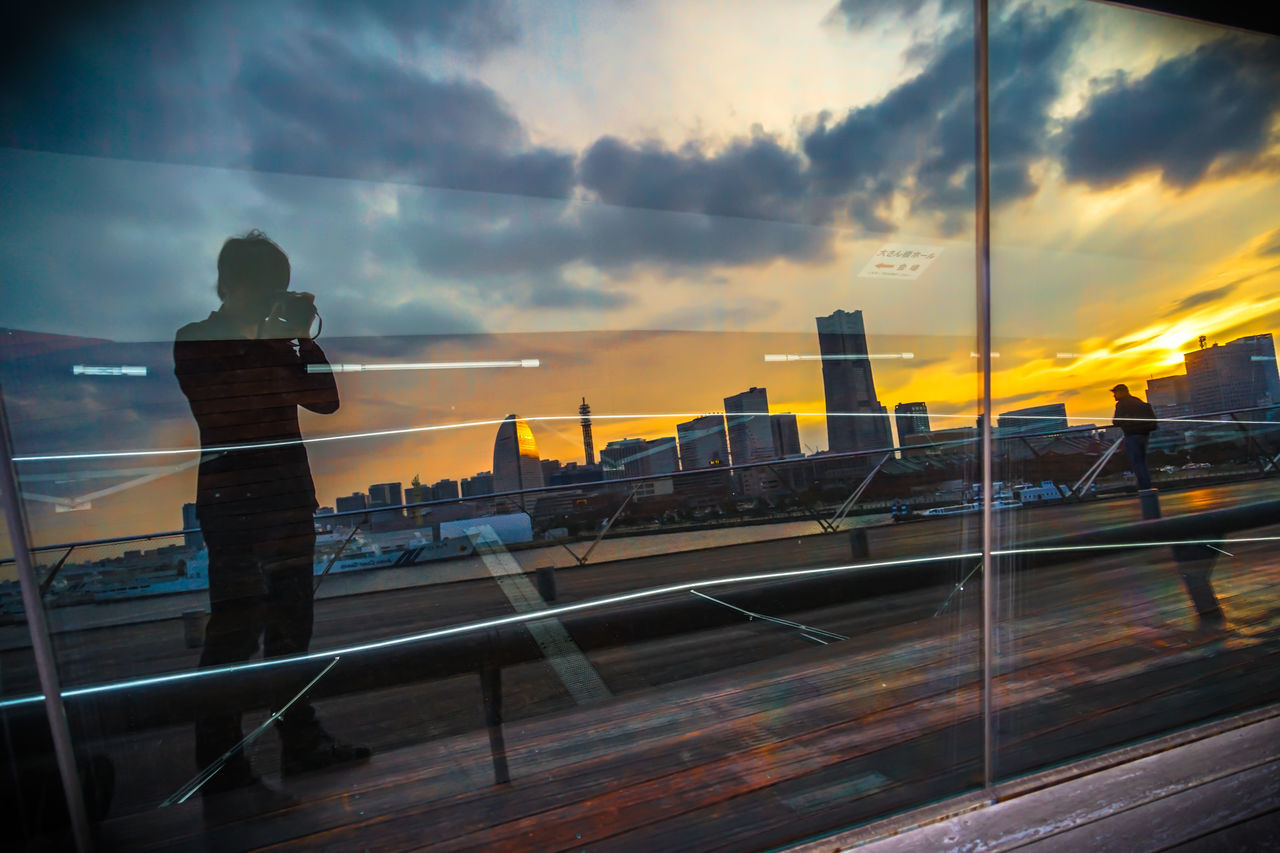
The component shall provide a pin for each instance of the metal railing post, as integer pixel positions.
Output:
(41, 644)
(982, 255)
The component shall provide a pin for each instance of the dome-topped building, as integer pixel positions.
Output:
(516, 465)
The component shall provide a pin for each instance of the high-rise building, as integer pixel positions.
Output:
(1235, 375)
(352, 503)
(786, 435)
(477, 484)
(638, 457)
(384, 495)
(750, 439)
(443, 490)
(588, 443)
(855, 418)
(516, 466)
(911, 419)
(1170, 397)
(747, 418)
(703, 443)
(191, 522)
(1046, 418)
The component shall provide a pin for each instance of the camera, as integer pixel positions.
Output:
(293, 314)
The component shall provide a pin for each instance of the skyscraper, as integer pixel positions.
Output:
(750, 438)
(1234, 375)
(516, 466)
(703, 443)
(911, 419)
(855, 418)
(786, 435)
(588, 443)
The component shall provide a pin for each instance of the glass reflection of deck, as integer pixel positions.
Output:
(773, 727)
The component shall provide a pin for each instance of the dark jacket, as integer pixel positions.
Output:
(1134, 416)
(247, 392)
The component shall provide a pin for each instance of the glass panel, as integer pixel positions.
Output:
(1134, 220)
(626, 491)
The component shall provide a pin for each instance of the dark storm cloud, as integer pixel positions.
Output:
(1203, 297)
(322, 109)
(859, 14)
(755, 178)
(919, 139)
(473, 26)
(1214, 105)
(523, 246)
(109, 80)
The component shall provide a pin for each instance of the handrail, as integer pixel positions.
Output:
(598, 624)
(622, 481)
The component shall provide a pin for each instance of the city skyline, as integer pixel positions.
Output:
(644, 211)
(744, 412)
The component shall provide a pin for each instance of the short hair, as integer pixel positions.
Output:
(254, 262)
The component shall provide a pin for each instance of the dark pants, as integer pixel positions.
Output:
(1135, 445)
(260, 586)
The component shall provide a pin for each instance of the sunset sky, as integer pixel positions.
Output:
(645, 196)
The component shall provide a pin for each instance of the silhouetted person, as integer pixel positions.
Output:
(1137, 420)
(244, 377)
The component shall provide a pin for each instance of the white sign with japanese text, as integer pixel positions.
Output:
(900, 260)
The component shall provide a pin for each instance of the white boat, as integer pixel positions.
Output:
(169, 571)
(974, 506)
(1046, 491)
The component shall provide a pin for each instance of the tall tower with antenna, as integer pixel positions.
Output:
(588, 445)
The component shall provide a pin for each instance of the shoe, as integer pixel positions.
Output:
(1213, 620)
(320, 753)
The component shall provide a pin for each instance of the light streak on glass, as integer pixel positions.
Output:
(386, 433)
(471, 627)
(98, 370)
(840, 357)
(423, 365)
(622, 598)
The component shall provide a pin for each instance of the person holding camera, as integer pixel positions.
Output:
(244, 371)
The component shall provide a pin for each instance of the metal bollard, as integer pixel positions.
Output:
(1149, 499)
(547, 583)
(194, 623)
(858, 546)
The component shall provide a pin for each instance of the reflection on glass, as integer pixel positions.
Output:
(1134, 288)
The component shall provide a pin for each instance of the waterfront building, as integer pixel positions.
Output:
(910, 419)
(516, 466)
(1046, 418)
(1234, 375)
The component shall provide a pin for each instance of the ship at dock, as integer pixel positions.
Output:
(176, 569)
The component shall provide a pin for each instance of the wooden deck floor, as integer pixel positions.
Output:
(794, 741)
